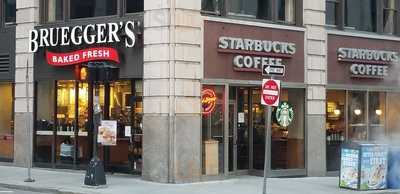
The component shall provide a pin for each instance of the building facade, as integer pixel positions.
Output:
(179, 84)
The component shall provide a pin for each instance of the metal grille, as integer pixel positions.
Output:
(4, 63)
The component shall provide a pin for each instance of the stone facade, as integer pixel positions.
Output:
(171, 123)
(27, 18)
(316, 80)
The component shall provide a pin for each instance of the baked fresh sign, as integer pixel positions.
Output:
(366, 63)
(251, 55)
(91, 34)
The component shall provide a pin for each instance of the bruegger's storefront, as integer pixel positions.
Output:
(233, 123)
(78, 66)
(7, 71)
(362, 93)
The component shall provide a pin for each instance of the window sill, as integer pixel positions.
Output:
(361, 34)
(253, 22)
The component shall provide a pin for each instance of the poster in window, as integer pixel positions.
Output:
(107, 134)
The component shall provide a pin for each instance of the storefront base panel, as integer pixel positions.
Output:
(316, 165)
(158, 165)
(21, 145)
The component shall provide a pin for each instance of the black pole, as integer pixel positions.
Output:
(95, 175)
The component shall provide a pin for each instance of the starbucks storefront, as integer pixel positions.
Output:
(233, 124)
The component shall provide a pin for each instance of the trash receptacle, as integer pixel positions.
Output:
(394, 168)
(211, 157)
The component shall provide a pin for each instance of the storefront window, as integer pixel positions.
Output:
(287, 138)
(393, 117)
(45, 91)
(213, 98)
(377, 114)
(134, 6)
(357, 115)
(286, 11)
(10, 11)
(92, 8)
(361, 15)
(335, 127)
(6, 123)
(54, 10)
(331, 12)
(287, 131)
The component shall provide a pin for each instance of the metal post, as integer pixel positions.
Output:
(28, 126)
(267, 137)
(267, 143)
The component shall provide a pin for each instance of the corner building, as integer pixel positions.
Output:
(184, 84)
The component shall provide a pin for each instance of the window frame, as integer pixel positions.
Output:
(380, 8)
(224, 11)
(3, 22)
(121, 12)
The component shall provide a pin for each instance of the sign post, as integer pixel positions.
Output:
(269, 97)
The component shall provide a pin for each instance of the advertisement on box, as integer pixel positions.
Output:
(108, 133)
(374, 166)
(349, 168)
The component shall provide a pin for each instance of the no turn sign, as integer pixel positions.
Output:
(270, 92)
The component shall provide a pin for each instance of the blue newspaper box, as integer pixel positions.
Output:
(394, 168)
(363, 166)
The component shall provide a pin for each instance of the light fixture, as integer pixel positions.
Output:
(378, 112)
(337, 112)
(357, 112)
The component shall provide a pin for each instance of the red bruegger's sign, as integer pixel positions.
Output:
(81, 56)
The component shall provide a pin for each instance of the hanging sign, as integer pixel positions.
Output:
(81, 56)
(284, 114)
(270, 92)
(208, 101)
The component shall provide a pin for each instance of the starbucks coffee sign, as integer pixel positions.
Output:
(284, 114)
(252, 54)
(366, 63)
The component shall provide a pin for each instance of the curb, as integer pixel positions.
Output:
(36, 189)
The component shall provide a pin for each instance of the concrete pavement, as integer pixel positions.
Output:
(56, 181)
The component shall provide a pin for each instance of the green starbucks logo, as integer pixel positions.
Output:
(284, 114)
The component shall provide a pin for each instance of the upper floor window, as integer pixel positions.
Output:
(54, 10)
(379, 16)
(332, 8)
(390, 15)
(134, 6)
(58, 10)
(281, 11)
(10, 11)
(361, 15)
(92, 8)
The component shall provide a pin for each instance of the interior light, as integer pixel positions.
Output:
(357, 111)
(378, 112)
(337, 112)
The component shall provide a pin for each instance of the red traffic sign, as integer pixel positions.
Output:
(270, 92)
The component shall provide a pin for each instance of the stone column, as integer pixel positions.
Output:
(316, 80)
(27, 18)
(172, 74)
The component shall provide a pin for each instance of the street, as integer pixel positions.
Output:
(12, 191)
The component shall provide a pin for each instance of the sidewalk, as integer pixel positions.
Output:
(71, 182)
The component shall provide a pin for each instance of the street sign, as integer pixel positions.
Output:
(273, 70)
(270, 92)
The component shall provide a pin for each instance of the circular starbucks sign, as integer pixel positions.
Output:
(284, 114)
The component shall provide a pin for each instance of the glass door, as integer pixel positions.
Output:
(239, 129)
